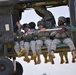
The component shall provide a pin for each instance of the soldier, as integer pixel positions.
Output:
(62, 36)
(43, 38)
(65, 21)
(71, 28)
(28, 40)
(32, 40)
(47, 16)
(25, 41)
(20, 50)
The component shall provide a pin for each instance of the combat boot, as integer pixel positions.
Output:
(23, 50)
(26, 58)
(62, 61)
(51, 59)
(34, 57)
(39, 60)
(31, 57)
(52, 54)
(73, 60)
(20, 54)
(73, 54)
(66, 60)
(45, 58)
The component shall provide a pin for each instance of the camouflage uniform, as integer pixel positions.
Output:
(18, 42)
(63, 36)
(32, 40)
(42, 38)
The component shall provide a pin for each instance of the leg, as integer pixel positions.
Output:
(39, 60)
(66, 57)
(33, 48)
(61, 57)
(39, 44)
(48, 43)
(17, 49)
(45, 57)
(27, 46)
(70, 43)
(23, 50)
(55, 42)
(53, 47)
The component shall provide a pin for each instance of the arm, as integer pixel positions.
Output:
(53, 33)
(19, 28)
(53, 29)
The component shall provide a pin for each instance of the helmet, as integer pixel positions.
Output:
(40, 23)
(32, 25)
(62, 18)
(25, 25)
(67, 20)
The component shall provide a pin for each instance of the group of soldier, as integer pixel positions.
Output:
(33, 39)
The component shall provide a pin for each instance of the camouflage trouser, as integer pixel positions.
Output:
(25, 45)
(17, 47)
(39, 44)
(67, 41)
(33, 46)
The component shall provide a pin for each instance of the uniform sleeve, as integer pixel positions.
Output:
(53, 33)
